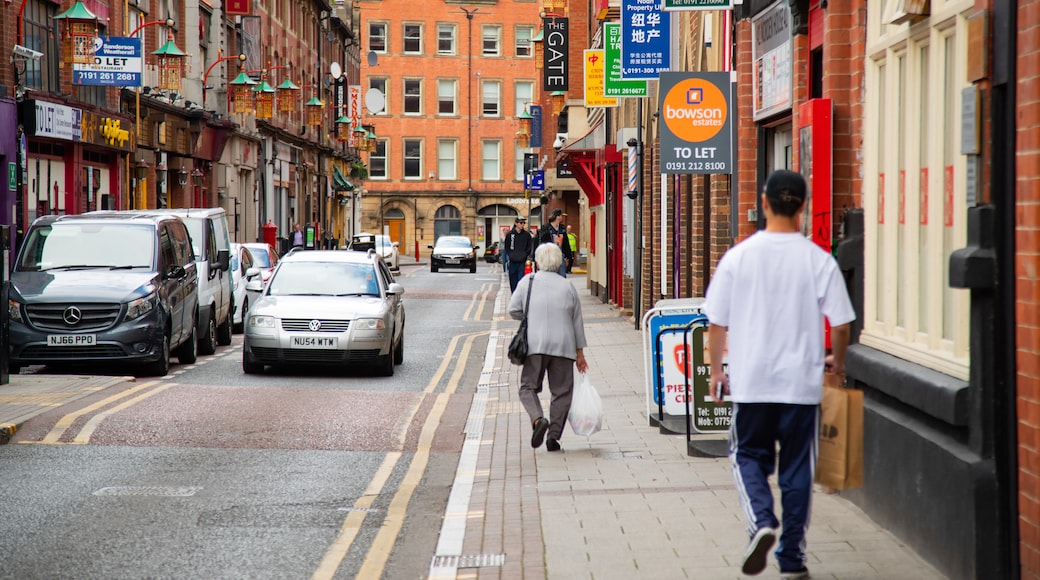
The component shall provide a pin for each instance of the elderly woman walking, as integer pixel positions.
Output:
(556, 341)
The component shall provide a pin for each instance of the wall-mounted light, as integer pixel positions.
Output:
(160, 173)
(196, 178)
(182, 176)
(141, 169)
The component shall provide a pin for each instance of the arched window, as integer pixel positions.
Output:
(447, 222)
(497, 210)
(394, 214)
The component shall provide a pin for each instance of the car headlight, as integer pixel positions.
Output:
(141, 306)
(370, 324)
(471, 255)
(262, 321)
(14, 310)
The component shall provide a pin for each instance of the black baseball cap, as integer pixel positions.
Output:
(557, 212)
(785, 185)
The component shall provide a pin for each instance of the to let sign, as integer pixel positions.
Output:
(555, 69)
(696, 131)
(117, 63)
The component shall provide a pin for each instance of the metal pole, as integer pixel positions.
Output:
(638, 241)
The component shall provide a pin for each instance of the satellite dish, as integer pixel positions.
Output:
(372, 58)
(335, 70)
(375, 101)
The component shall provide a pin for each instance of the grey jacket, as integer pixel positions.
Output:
(555, 325)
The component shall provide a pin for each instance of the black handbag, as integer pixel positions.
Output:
(518, 346)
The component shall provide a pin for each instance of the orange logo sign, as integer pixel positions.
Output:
(695, 110)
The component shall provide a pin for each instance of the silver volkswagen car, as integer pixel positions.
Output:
(327, 307)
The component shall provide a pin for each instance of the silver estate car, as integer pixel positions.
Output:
(327, 307)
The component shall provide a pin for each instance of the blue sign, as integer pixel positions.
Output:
(645, 39)
(117, 63)
(536, 126)
(535, 181)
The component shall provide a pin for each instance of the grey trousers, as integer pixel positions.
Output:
(561, 386)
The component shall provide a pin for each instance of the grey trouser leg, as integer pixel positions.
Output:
(561, 386)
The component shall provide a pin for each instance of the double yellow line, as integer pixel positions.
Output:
(139, 393)
(379, 553)
(477, 303)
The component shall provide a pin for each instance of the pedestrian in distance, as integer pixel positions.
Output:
(555, 344)
(502, 256)
(297, 237)
(556, 233)
(519, 249)
(572, 239)
(766, 303)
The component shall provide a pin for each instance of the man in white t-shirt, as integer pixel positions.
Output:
(766, 303)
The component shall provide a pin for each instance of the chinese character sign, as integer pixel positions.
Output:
(646, 39)
(614, 85)
(594, 79)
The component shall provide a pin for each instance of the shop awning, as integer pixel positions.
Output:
(339, 181)
(586, 162)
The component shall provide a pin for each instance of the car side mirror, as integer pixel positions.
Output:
(251, 272)
(176, 272)
(395, 288)
(255, 285)
(396, 244)
(431, 247)
(223, 260)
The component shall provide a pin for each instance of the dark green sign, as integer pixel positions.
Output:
(708, 416)
(613, 84)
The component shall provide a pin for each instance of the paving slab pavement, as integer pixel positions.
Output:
(627, 502)
(29, 395)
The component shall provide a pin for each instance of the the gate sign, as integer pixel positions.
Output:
(555, 65)
(696, 135)
(117, 63)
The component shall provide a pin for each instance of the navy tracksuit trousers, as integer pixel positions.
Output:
(755, 432)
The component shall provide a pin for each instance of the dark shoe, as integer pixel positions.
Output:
(541, 425)
(758, 551)
(552, 445)
(802, 574)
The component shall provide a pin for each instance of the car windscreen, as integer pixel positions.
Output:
(114, 245)
(453, 244)
(324, 279)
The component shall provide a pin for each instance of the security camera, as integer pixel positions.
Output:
(561, 140)
(26, 52)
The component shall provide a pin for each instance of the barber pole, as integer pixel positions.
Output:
(633, 164)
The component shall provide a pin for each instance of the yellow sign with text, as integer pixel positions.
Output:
(595, 81)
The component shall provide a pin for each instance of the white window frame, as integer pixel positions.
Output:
(405, 38)
(909, 309)
(372, 37)
(491, 40)
(523, 96)
(452, 35)
(409, 98)
(383, 84)
(491, 159)
(487, 99)
(523, 34)
(386, 153)
(404, 158)
(447, 159)
(518, 162)
(443, 96)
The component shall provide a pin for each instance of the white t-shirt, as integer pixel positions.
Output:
(772, 292)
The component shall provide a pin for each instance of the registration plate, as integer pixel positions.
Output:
(71, 340)
(314, 342)
(451, 261)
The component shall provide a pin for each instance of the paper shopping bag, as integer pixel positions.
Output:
(840, 461)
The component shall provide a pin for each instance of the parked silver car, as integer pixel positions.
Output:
(326, 307)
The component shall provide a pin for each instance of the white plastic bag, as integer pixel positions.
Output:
(586, 416)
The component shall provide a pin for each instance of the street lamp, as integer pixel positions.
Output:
(78, 33)
(220, 59)
(171, 64)
(182, 176)
(196, 180)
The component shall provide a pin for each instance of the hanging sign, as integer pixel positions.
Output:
(536, 127)
(696, 126)
(117, 63)
(676, 5)
(646, 45)
(555, 69)
(771, 61)
(594, 80)
(354, 98)
(613, 84)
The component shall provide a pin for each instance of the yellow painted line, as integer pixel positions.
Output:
(352, 525)
(477, 302)
(398, 506)
(65, 422)
(378, 555)
(84, 434)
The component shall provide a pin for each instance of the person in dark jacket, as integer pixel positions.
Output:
(519, 247)
(556, 233)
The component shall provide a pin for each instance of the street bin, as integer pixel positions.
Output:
(269, 231)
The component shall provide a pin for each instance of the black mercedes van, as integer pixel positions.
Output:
(104, 288)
